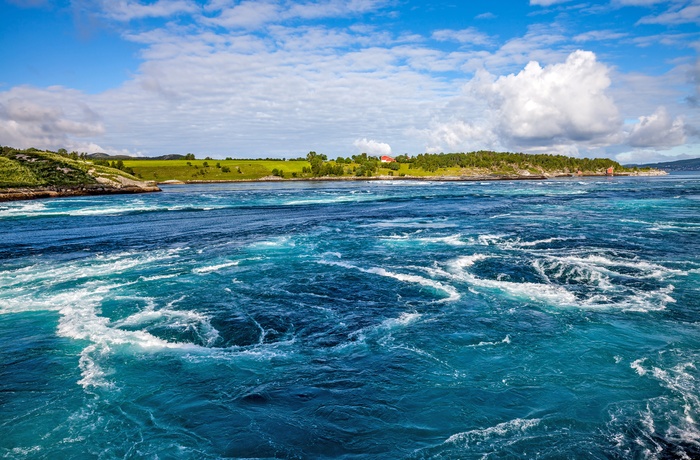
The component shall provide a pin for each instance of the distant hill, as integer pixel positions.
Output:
(680, 165)
(106, 156)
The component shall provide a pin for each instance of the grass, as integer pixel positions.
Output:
(196, 170)
(34, 168)
(190, 170)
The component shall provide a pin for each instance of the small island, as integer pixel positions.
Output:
(33, 173)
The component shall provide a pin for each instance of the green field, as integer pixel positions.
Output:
(212, 170)
(207, 170)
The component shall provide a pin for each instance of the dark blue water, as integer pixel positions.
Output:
(555, 319)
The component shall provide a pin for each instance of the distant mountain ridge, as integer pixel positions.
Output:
(106, 156)
(692, 164)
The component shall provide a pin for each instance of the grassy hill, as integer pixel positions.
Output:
(31, 173)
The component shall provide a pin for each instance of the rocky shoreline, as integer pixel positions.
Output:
(31, 193)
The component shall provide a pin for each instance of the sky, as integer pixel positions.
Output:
(279, 78)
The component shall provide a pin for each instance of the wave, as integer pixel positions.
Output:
(21, 209)
(573, 282)
(663, 426)
(411, 223)
(450, 240)
(509, 428)
(506, 341)
(214, 268)
(100, 266)
(451, 293)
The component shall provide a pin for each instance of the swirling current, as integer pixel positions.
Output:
(354, 320)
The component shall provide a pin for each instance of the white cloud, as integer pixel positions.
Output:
(680, 13)
(53, 118)
(637, 2)
(465, 36)
(559, 108)
(247, 14)
(599, 35)
(461, 135)
(127, 10)
(645, 156)
(658, 131)
(546, 2)
(565, 101)
(694, 78)
(274, 84)
(372, 147)
(487, 15)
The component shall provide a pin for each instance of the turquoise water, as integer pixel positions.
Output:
(555, 319)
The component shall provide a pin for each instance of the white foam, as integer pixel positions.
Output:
(334, 199)
(488, 240)
(680, 380)
(411, 223)
(506, 340)
(92, 373)
(467, 261)
(158, 277)
(550, 293)
(403, 320)
(502, 429)
(645, 269)
(273, 243)
(22, 208)
(214, 268)
(451, 240)
(450, 291)
(637, 366)
(100, 266)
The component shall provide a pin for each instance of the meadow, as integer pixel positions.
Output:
(241, 169)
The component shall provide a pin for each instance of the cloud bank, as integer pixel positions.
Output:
(270, 78)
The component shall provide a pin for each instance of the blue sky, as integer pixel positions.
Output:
(277, 78)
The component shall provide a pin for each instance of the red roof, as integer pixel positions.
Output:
(387, 159)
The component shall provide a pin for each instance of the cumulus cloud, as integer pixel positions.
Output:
(566, 101)
(658, 131)
(556, 108)
(460, 135)
(49, 119)
(372, 147)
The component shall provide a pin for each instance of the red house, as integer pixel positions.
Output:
(387, 159)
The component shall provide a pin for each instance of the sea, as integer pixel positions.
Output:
(554, 319)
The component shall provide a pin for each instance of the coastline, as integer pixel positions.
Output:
(412, 178)
(32, 193)
(127, 186)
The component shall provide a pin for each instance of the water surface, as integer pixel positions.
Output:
(554, 319)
